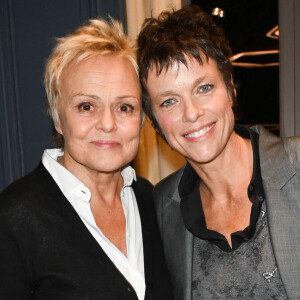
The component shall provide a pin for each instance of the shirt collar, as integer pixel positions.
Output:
(69, 183)
(66, 181)
(128, 174)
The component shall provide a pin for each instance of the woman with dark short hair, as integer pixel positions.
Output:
(229, 219)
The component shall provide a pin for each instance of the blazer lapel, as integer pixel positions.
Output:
(178, 246)
(282, 191)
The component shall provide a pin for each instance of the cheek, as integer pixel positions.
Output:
(130, 129)
(227, 115)
(74, 128)
(167, 120)
(222, 107)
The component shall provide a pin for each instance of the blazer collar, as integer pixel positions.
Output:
(274, 161)
(178, 248)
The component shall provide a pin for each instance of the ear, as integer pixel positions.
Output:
(57, 126)
(234, 90)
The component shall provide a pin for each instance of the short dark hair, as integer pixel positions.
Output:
(173, 36)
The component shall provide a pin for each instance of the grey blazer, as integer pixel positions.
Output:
(280, 169)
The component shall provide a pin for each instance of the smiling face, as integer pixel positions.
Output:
(99, 114)
(193, 109)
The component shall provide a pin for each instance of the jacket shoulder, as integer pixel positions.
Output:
(28, 190)
(168, 186)
(19, 188)
(270, 143)
(292, 148)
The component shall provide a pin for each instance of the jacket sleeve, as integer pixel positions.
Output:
(14, 283)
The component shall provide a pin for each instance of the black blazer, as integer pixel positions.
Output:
(46, 252)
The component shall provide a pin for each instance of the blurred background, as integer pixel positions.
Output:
(264, 36)
(252, 29)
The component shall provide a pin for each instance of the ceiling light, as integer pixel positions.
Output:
(218, 12)
(273, 33)
(236, 63)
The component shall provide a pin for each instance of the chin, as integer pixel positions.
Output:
(203, 159)
(112, 168)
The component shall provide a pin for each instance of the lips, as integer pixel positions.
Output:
(105, 144)
(199, 133)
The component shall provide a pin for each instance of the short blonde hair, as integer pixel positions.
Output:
(98, 37)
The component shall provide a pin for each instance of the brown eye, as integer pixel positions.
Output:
(86, 106)
(126, 108)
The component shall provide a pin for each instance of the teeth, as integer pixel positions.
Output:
(200, 132)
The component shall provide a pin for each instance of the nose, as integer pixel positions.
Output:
(192, 111)
(106, 121)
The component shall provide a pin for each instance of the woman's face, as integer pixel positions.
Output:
(193, 108)
(99, 114)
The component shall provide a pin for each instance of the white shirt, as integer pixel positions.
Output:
(132, 266)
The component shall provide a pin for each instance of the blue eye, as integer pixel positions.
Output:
(205, 88)
(167, 102)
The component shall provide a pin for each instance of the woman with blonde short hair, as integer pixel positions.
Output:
(82, 224)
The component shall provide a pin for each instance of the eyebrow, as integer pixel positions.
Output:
(85, 95)
(194, 84)
(95, 97)
(165, 93)
(200, 79)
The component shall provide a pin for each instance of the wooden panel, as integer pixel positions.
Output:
(297, 66)
(287, 67)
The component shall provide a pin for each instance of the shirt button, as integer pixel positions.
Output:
(260, 198)
(149, 285)
(251, 189)
(129, 289)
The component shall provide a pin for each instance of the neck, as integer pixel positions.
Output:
(225, 177)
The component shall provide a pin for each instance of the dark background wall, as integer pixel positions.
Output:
(246, 24)
(27, 34)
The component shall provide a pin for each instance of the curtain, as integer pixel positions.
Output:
(138, 10)
(155, 159)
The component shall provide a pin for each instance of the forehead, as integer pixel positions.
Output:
(108, 64)
(187, 70)
(102, 71)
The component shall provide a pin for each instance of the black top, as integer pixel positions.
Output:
(46, 252)
(191, 206)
